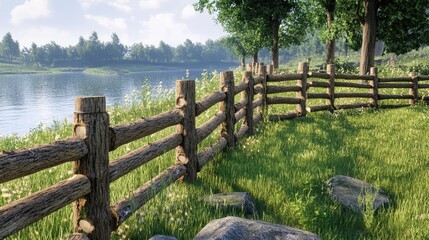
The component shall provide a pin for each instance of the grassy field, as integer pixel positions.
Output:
(283, 166)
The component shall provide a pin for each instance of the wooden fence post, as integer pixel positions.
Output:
(186, 153)
(249, 67)
(415, 88)
(270, 69)
(374, 85)
(227, 106)
(249, 95)
(91, 123)
(330, 69)
(302, 94)
(263, 74)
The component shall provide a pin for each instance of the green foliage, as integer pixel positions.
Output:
(9, 48)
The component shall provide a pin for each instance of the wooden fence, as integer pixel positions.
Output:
(93, 139)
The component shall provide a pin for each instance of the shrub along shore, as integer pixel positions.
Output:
(283, 166)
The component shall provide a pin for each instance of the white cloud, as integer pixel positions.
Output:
(150, 4)
(123, 5)
(188, 12)
(85, 4)
(117, 23)
(166, 27)
(29, 10)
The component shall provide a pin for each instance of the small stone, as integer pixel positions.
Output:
(241, 201)
(348, 191)
(234, 228)
(162, 237)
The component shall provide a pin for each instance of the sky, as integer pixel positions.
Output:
(134, 21)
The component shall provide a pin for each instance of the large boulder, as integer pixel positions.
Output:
(240, 201)
(162, 237)
(355, 194)
(234, 228)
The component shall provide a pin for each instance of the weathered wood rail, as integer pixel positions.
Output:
(93, 139)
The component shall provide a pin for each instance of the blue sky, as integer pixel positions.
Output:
(146, 21)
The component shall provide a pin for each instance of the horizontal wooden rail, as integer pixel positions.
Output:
(318, 95)
(284, 77)
(25, 162)
(423, 77)
(353, 77)
(282, 89)
(25, 211)
(284, 116)
(354, 95)
(395, 85)
(396, 79)
(319, 108)
(257, 103)
(257, 89)
(352, 85)
(318, 75)
(207, 128)
(243, 130)
(421, 85)
(136, 158)
(352, 106)
(393, 96)
(208, 153)
(240, 115)
(257, 118)
(283, 100)
(387, 106)
(128, 205)
(240, 105)
(126, 133)
(258, 80)
(318, 84)
(209, 101)
(239, 88)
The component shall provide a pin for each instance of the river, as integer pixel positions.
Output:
(28, 100)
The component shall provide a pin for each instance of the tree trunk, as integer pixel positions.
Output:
(255, 57)
(275, 37)
(368, 37)
(243, 61)
(330, 45)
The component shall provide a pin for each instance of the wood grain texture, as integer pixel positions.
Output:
(127, 133)
(395, 79)
(227, 106)
(240, 105)
(243, 130)
(318, 75)
(123, 209)
(209, 101)
(283, 100)
(207, 154)
(140, 156)
(284, 77)
(302, 83)
(353, 77)
(354, 95)
(353, 85)
(240, 88)
(318, 84)
(282, 89)
(207, 128)
(25, 162)
(249, 95)
(25, 211)
(318, 95)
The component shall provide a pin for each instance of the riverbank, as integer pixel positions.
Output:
(110, 68)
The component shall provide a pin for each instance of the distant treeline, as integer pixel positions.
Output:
(92, 51)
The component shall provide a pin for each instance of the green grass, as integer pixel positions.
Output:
(283, 166)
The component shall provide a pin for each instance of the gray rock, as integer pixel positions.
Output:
(234, 228)
(351, 191)
(162, 237)
(241, 201)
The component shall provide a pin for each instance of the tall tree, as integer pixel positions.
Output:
(400, 24)
(9, 48)
(273, 18)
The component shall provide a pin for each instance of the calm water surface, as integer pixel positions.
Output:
(27, 100)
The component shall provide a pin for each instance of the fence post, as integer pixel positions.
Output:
(270, 69)
(302, 94)
(227, 106)
(249, 67)
(249, 94)
(263, 74)
(415, 88)
(374, 85)
(186, 153)
(91, 123)
(330, 69)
